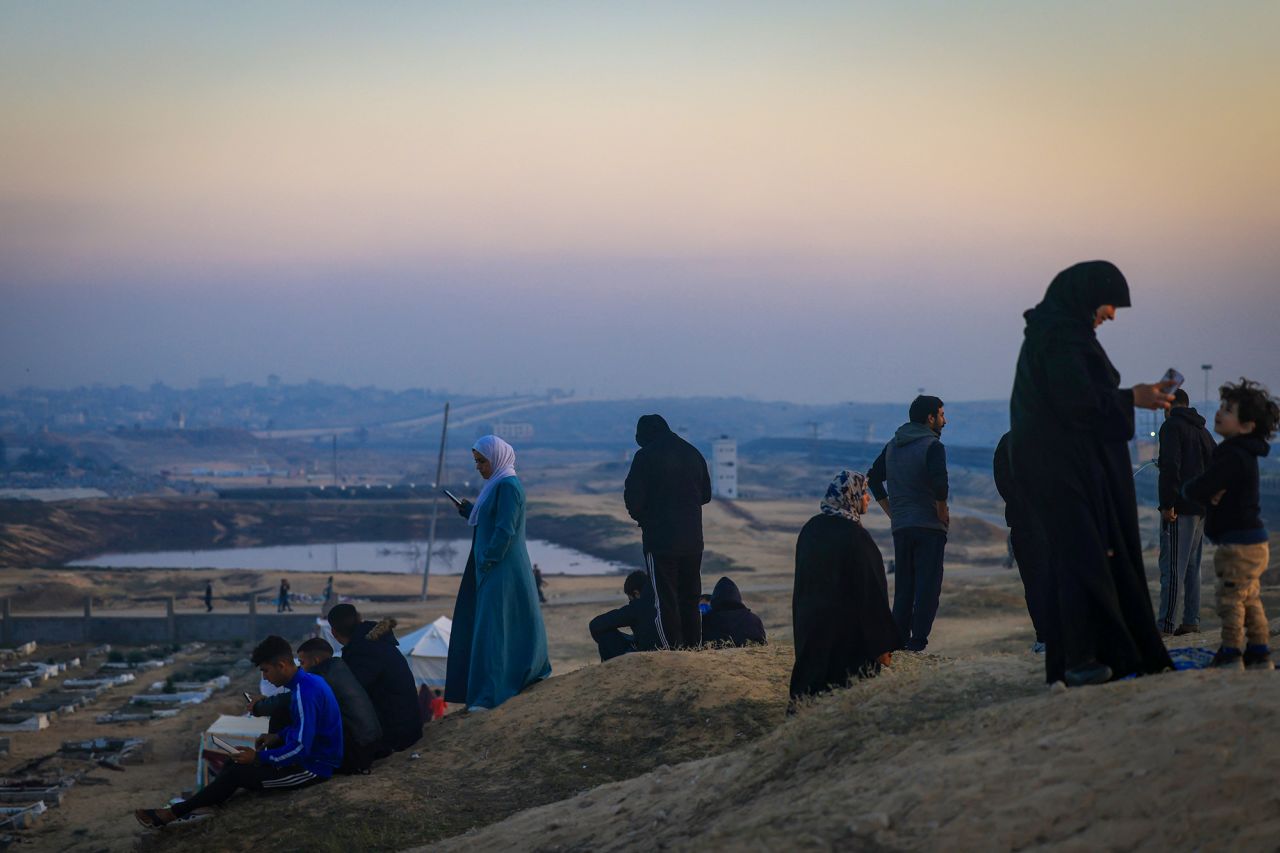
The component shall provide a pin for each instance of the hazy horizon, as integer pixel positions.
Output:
(800, 202)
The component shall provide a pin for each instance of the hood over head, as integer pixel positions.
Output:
(650, 428)
(726, 596)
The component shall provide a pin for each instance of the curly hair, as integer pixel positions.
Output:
(1253, 403)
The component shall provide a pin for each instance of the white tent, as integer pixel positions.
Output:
(427, 650)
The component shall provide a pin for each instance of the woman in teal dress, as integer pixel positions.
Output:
(499, 645)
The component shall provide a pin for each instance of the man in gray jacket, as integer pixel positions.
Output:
(914, 463)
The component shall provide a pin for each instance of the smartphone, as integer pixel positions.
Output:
(457, 501)
(1172, 376)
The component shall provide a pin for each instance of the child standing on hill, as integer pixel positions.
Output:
(1229, 489)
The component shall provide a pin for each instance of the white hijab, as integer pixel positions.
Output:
(502, 457)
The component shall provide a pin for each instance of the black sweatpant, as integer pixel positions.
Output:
(613, 643)
(677, 583)
(252, 777)
(1031, 553)
(917, 583)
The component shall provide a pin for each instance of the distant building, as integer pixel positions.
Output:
(512, 430)
(724, 468)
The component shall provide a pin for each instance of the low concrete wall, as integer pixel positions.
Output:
(164, 627)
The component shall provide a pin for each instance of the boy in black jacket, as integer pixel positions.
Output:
(1247, 417)
(638, 614)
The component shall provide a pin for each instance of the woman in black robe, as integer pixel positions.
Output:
(840, 607)
(1071, 423)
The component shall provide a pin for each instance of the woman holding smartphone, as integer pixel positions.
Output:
(1069, 452)
(499, 645)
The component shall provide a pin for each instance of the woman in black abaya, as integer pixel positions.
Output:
(840, 608)
(1071, 423)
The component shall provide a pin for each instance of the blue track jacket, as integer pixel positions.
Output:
(313, 738)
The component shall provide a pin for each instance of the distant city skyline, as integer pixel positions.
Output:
(806, 202)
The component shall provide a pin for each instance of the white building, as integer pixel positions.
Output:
(724, 468)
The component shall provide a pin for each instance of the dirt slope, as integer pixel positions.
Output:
(959, 755)
(569, 734)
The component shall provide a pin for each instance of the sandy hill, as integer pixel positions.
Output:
(961, 755)
(569, 734)
(691, 750)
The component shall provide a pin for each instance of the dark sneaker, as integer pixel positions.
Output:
(1227, 658)
(1090, 673)
(1258, 657)
(1186, 629)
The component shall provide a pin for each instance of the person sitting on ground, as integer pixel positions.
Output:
(729, 620)
(371, 651)
(840, 608)
(638, 614)
(361, 731)
(1230, 489)
(305, 752)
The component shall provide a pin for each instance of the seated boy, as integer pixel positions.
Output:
(307, 751)
(638, 614)
(1229, 490)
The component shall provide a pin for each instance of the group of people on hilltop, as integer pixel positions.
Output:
(1063, 470)
(665, 489)
(329, 714)
(1065, 474)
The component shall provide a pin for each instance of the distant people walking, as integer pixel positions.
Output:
(638, 615)
(1071, 423)
(914, 463)
(328, 596)
(840, 605)
(282, 597)
(1027, 542)
(729, 620)
(499, 645)
(371, 652)
(665, 491)
(208, 597)
(539, 582)
(1185, 450)
(1231, 491)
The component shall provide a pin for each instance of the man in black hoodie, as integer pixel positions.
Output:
(729, 620)
(637, 614)
(1185, 449)
(665, 490)
(372, 654)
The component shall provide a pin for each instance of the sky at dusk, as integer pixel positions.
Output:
(803, 201)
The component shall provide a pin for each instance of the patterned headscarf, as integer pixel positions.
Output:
(844, 495)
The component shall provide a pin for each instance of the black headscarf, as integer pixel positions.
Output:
(1077, 291)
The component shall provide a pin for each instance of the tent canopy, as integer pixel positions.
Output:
(427, 650)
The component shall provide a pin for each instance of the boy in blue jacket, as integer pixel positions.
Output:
(307, 751)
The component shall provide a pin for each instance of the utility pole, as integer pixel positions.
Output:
(435, 503)
(335, 459)
(1206, 368)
